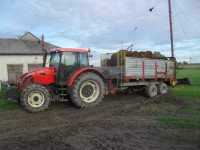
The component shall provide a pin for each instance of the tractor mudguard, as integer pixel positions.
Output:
(79, 71)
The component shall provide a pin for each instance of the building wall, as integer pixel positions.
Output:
(16, 59)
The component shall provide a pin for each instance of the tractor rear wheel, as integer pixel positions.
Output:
(35, 98)
(88, 90)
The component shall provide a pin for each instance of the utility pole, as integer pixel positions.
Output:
(190, 60)
(172, 37)
(171, 28)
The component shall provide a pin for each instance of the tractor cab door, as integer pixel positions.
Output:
(70, 61)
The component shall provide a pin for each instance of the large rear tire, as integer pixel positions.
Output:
(162, 88)
(151, 90)
(88, 90)
(35, 98)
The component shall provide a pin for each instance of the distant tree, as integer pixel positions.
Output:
(158, 55)
(185, 63)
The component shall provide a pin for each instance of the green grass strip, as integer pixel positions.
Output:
(180, 122)
(6, 105)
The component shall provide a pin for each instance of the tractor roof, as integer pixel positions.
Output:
(81, 50)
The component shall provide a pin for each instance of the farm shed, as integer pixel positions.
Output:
(18, 56)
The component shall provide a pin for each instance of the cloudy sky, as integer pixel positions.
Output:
(106, 25)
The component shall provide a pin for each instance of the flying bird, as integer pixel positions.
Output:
(151, 9)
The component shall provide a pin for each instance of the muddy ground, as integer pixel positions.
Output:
(120, 122)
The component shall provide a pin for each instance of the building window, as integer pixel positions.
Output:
(14, 72)
(32, 67)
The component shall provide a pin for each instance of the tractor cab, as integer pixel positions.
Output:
(66, 60)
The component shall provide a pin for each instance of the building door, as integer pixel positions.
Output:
(14, 72)
(32, 67)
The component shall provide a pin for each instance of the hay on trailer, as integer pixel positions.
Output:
(118, 58)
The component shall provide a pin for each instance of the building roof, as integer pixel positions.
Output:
(24, 46)
(29, 36)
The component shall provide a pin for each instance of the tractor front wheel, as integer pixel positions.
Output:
(35, 98)
(88, 90)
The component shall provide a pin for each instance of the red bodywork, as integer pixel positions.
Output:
(43, 76)
(47, 76)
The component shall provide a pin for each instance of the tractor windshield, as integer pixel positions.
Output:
(55, 60)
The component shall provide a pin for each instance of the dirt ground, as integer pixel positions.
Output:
(118, 123)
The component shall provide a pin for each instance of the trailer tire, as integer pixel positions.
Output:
(162, 88)
(35, 98)
(151, 90)
(88, 90)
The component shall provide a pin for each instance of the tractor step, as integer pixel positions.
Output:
(61, 94)
(59, 98)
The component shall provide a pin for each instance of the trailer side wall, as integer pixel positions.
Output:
(143, 68)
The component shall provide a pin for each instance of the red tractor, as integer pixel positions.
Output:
(69, 76)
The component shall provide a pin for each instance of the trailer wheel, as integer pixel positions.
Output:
(88, 90)
(162, 88)
(151, 90)
(35, 98)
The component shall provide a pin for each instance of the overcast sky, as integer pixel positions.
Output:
(107, 25)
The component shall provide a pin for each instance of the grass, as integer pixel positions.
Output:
(185, 90)
(2, 94)
(193, 74)
(188, 116)
(6, 104)
(181, 122)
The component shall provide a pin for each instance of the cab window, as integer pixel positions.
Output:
(83, 59)
(69, 59)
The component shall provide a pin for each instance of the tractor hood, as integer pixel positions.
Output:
(43, 76)
(44, 70)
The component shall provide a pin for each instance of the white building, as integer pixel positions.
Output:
(18, 56)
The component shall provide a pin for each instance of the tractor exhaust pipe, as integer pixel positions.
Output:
(44, 51)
